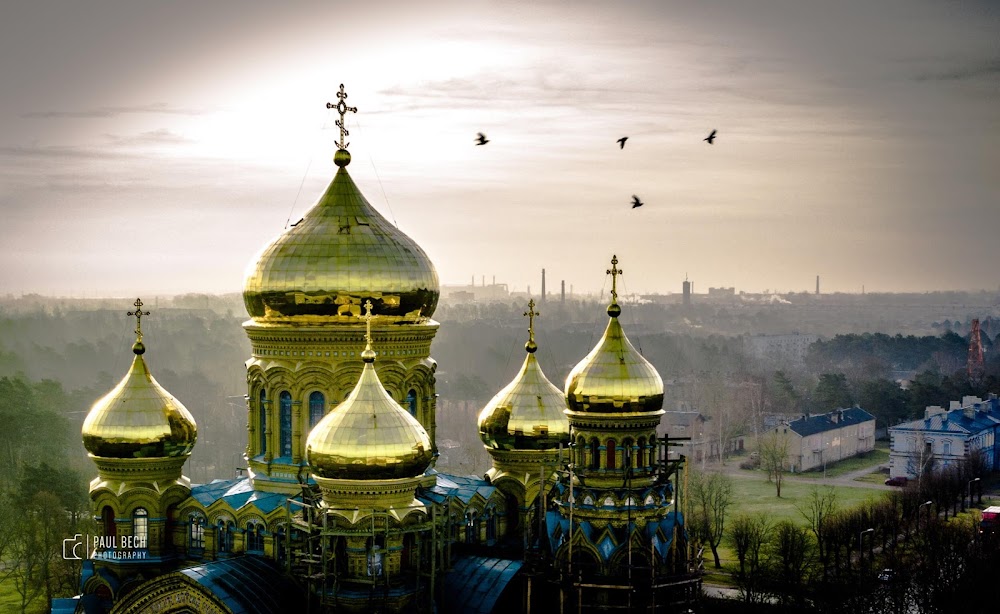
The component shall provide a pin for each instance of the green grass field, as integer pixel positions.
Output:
(878, 456)
(757, 495)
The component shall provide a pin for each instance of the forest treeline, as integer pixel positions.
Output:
(57, 358)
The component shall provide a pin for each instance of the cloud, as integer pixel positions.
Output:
(984, 70)
(116, 111)
(161, 136)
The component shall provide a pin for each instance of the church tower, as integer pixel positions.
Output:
(616, 522)
(304, 295)
(368, 457)
(139, 436)
(522, 428)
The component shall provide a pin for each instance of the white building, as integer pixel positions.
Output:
(815, 441)
(946, 437)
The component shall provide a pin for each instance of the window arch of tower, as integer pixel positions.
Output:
(610, 454)
(594, 454)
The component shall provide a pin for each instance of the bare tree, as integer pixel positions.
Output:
(711, 496)
(749, 534)
(816, 510)
(773, 454)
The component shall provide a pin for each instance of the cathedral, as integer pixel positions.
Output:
(342, 509)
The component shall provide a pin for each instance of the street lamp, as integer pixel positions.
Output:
(970, 490)
(925, 503)
(861, 551)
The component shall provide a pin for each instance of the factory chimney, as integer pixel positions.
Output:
(543, 285)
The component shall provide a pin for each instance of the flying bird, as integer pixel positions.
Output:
(636, 202)
(621, 142)
(481, 139)
(710, 138)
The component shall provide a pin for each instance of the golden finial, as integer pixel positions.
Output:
(614, 272)
(531, 346)
(342, 108)
(138, 347)
(369, 354)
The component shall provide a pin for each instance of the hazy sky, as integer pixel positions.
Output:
(156, 147)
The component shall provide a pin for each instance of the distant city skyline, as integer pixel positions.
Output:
(154, 148)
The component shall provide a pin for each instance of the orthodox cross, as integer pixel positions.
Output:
(138, 313)
(368, 323)
(614, 272)
(342, 108)
(531, 313)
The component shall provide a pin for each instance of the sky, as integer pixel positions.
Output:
(156, 147)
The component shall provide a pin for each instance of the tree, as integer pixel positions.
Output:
(885, 400)
(832, 392)
(786, 397)
(790, 553)
(817, 510)
(711, 496)
(749, 534)
(773, 456)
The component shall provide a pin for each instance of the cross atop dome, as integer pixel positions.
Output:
(343, 109)
(369, 354)
(614, 272)
(138, 348)
(531, 346)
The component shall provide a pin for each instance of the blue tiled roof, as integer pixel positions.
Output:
(463, 488)
(237, 492)
(248, 585)
(824, 422)
(475, 583)
(955, 421)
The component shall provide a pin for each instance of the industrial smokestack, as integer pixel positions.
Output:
(817, 285)
(562, 293)
(543, 285)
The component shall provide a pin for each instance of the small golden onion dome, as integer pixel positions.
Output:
(528, 414)
(139, 419)
(369, 436)
(341, 253)
(614, 377)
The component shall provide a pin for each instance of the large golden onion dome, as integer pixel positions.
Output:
(614, 377)
(529, 413)
(341, 253)
(369, 436)
(139, 418)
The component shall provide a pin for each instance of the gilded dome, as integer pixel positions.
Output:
(529, 413)
(139, 419)
(340, 254)
(614, 377)
(369, 436)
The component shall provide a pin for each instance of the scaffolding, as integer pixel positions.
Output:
(315, 543)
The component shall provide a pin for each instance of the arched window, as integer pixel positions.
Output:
(285, 423)
(225, 528)
(255, 537)
(610, 452)
(411, 402)
(595, 454)
(580, 450)
(491, 525)
(281, 545)
(317, 407)
(262, 421)
(627, 454)
(108, 521)
(640, 455)
(946, 447)
(140, 527)
(196, 532)
(471, 528)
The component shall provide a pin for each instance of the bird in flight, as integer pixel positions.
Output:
(636, 202)
(710, 138)
(481, 139)
(621, 142)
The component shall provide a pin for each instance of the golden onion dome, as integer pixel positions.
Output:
(369, 436)
(139, 418)
(529, 413)
(614, 377)
(339, 254)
